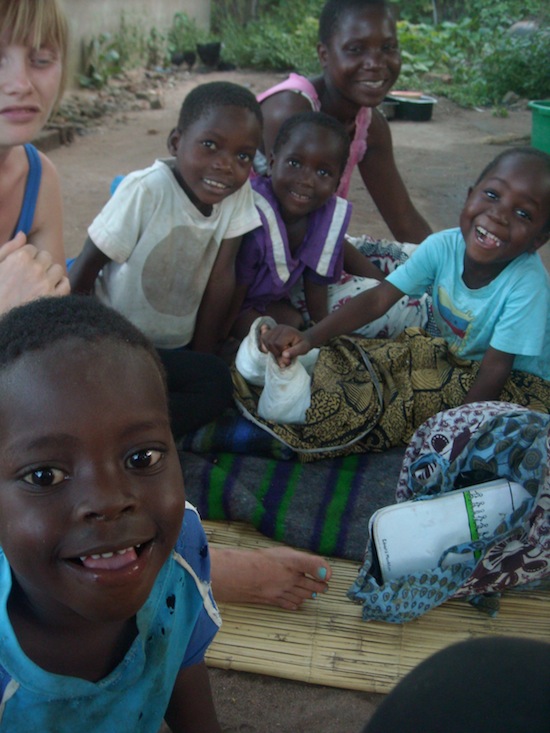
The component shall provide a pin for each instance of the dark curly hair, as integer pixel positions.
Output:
(46, 321)
(334, 10)
(215, 94)
(318, 119)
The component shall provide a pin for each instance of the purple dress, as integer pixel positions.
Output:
(265, 262)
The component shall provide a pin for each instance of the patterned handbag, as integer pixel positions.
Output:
(462, 447)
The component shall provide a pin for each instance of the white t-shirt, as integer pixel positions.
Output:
(162, 250)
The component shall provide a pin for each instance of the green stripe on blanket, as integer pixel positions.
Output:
(323, 506)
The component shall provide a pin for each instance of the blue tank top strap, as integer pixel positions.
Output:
(32, 187)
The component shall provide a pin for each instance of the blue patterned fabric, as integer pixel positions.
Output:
(457, 448)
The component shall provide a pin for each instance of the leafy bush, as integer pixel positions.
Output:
(110, 53)
(102, 60)
(486, 13)
(520, 65)
(270, 46)
(476, 52)
(184, 34)
(284, 35)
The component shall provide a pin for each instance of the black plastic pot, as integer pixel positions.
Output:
(416, 110)
(389, 107)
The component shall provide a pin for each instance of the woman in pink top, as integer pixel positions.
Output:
(359, 54)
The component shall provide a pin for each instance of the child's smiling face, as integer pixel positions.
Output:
(91, 491)
(214, 154)
(507, 212)
(305, 170)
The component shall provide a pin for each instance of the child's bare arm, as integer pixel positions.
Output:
(385, 185)
(212, 317)
(493, 372)
(85, 268)
(316, 296)
(239, 294)
(287, 343)
(356, 263)
(191, 708)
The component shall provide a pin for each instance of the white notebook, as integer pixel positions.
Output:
(411, 536)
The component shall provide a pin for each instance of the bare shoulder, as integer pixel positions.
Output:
(49, 171)
(47, 230)
(275, 110)
(378, 134)
(284, 104)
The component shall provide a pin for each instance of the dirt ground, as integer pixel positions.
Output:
(438, 160)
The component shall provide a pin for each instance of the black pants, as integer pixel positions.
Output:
(199, 388)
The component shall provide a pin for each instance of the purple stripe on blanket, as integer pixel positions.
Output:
(273, 500)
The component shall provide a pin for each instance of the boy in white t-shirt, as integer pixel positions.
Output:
(162, 250)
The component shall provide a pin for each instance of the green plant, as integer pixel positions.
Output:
(184, 34)
(156, 49)
(283, 37)
(268, 46)
(242, 12)
(519, 65)
(109, 54)
(130, 42)
(102, 60)
(477, 52)
(500, 111)
(487, 13)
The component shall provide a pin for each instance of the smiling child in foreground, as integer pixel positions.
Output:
(106, 608)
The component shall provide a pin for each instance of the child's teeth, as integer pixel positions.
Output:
(487, 235)
(216, 184)
(107, 555)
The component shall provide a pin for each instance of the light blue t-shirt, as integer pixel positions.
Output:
(511, 313)
(175, 627)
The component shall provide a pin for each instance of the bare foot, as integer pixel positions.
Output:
(276, 576)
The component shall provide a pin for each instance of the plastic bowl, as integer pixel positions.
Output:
(416, 109)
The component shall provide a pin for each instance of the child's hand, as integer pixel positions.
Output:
(286, 343)
(27, 273)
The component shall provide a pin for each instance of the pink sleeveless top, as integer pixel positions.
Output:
(301, 85)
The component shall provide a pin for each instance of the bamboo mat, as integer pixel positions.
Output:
(327, 643)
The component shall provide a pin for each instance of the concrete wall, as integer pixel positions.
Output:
(89, 18)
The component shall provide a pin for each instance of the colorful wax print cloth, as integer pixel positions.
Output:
(372, 394)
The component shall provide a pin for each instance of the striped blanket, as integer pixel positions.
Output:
(322, 506)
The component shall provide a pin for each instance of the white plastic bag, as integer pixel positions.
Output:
(287, 392)
(251, 361)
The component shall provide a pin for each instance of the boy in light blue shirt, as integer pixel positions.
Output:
(491, 290)
(105, 610)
